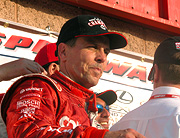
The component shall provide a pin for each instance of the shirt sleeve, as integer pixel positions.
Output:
(32, 113)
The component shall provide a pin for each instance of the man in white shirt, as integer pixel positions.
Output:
(160, 116)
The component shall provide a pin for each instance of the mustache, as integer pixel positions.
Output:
(99, 66)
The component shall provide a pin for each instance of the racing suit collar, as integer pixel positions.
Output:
(75, 88)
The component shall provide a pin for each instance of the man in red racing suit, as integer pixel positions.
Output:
(47, 108)
(39, 106)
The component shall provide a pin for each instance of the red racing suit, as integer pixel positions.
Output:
(38, 106)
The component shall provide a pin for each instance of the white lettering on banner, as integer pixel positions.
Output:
(30, 89)
(65, 121)
(27, 103)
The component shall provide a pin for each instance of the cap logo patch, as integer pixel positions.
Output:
(97, 21)
(177, 45)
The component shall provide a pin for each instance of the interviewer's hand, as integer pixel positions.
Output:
(19, 67)
(127, 133)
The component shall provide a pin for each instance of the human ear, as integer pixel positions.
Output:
(52, 68)
(62, 49)
(156, 73)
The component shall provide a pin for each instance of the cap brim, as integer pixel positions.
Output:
(108, 96)
(151, 74)
(116, 40)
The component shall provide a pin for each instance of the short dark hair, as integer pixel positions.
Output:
(48, 64)
(71, 42)
(170, 73)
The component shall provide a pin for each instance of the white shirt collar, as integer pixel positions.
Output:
(166, 90)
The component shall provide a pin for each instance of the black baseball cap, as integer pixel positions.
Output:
(109, 96)
(166, 53)
(89, 25)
